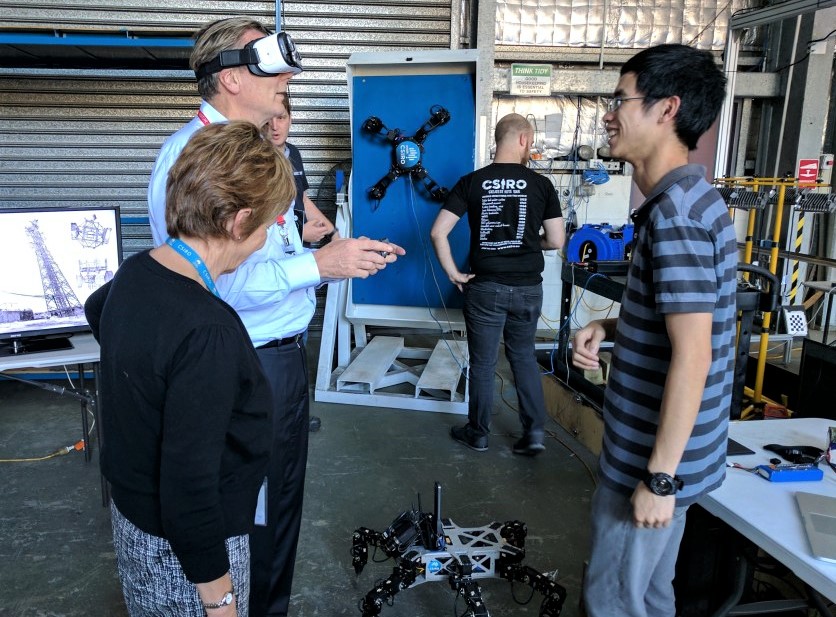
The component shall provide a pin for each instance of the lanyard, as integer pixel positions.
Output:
(202, 117)
(285, 234)
(193, 258)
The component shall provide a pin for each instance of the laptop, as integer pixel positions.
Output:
(819, 515)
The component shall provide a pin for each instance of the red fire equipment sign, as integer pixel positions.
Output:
(808, 171)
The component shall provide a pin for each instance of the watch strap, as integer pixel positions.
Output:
(226, 600)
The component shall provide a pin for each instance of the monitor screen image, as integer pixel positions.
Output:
(53, 259)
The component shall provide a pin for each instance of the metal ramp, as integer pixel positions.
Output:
(372, 368)
(443, 372)
(383, 370)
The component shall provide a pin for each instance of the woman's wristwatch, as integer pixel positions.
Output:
(225, 601)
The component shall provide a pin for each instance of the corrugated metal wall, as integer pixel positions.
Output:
(624, 24)
(88, 138)
(80, 137)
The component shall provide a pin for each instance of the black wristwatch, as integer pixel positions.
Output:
(662, 484)
(225, 601)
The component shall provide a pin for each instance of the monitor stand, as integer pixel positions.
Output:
(16, 347)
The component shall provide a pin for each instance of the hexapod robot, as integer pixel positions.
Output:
(407, 152)
(428, 548)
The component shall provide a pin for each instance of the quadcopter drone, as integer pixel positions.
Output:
(427, 548)
(407, 153)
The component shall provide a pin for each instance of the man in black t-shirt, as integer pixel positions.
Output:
(507, 204)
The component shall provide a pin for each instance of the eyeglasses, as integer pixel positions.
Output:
(616, 102)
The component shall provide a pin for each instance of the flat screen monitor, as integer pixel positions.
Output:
(815, 381)
(52, 260)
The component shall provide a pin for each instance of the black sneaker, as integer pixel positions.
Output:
(314, 423)
(464, 435)
(529, 446)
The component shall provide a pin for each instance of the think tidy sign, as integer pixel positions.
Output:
(531, 79)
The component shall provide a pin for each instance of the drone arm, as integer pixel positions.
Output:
(554, 595)
(472, 594)
(373, 124)
(437, 192)
(404, 532)
(379, 190)
(514, 533)
(438, 117)
(461, 582)
(403, 575)
(360, 541)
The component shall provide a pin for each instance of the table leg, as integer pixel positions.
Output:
(97, 416)
(827, 317)
(85, 425)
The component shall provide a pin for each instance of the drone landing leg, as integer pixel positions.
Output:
(403, 575)
(363, 536)
(472, 594)
(554, 595)
(461, 582)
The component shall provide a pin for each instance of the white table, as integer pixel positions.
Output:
(85, 350)
(766, 512)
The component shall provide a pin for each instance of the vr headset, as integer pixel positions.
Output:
(270, 55)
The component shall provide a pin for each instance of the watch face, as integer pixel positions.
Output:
(225, 601)
(661, 486)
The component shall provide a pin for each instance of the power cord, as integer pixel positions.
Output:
(462, 364)
(88, 400)
(77, 446)
(807, 55)
(60, 390)
(551, 434)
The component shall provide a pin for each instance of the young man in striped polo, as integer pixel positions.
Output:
(667, 401)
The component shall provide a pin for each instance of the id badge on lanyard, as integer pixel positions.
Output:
(284, 232)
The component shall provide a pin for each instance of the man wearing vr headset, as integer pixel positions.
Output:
(243, 71)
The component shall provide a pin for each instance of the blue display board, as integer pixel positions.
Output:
(406, 213)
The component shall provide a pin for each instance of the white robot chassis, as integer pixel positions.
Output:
(428, 548)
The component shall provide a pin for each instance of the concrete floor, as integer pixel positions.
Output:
(366, 465)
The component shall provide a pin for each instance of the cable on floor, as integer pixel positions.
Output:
(60, 390)
(77, 446)
(551, 434)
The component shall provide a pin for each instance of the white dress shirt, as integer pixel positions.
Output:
(273, 290)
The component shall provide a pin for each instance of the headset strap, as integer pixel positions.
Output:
(227, 59)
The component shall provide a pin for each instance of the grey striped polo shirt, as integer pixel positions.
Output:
(684, 261)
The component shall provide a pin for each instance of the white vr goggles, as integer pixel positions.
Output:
(270, 55)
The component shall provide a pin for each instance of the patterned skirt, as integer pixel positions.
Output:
(153, 582)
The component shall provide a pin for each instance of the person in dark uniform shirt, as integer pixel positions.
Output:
(314, 225)
(507, 204)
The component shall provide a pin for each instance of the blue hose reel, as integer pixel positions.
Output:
(599, 243)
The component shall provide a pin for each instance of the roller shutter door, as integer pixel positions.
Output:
(82, 137)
